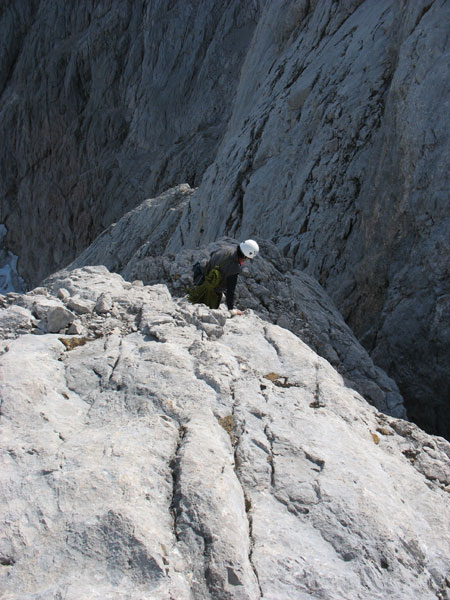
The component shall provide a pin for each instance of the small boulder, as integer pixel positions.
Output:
(15, 318)
(63, 294)
(41, 305)
(59, 318)
(39, 291)
(76, 328)
(104, 303)
(80, 305)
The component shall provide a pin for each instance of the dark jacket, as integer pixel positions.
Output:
(226, 257)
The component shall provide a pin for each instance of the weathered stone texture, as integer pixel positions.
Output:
(104, 104)
(321, 126)
(338, 150)
(270, 285)
(152, 460)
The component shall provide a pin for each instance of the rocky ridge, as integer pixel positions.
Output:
(320, 126)
(271, 286)
(167, 451)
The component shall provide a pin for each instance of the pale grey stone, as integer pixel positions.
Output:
(104, 303)
(15, 318)
(191, 467)
(40, 304)
(80, 305)
(63, 294)
(39, 291)
(58, 318)
(76, 328)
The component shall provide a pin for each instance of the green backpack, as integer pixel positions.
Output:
(205, 293)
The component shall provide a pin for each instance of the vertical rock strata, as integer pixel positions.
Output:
(338, 151)
(171, 453)
(321, 126)
(104, 104)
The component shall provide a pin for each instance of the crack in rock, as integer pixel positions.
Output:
(235, 441)
(317, 402)
(174, 466)
(270, 458)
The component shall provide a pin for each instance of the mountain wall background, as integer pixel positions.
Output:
(321, 126)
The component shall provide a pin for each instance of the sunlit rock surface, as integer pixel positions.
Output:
(320, 126)
(169, 451)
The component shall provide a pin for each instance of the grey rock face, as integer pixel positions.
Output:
(80, 306)
(174, 464)
(338, 151)
(15, 319)
(271, 286)
(58, 318)
(102, 106)
(142, 232)
(320, 126)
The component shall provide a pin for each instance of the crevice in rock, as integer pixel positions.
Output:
(180, 525)
(424, 11)
(317, 402)
(316, 461)
(248, 511)
(99, 377)
(270, 458)
(174, 466)
(116, 362)
(235, 441)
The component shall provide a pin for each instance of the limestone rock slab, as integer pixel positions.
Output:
(184, 466)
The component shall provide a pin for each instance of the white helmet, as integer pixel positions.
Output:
(249, 248)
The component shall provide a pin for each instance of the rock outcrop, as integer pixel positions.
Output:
(271, 286)
(167, 451)
(338, 150)
(321, 126)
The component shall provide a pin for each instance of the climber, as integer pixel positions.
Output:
(219, 275)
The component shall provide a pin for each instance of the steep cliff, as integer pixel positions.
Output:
(271, 286)
(319, 125)
(103, 104)
(169, 452)
(338, 150)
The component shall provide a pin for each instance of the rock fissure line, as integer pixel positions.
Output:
(116, 362)
(317, 403)
(270, 458)
(174, 466)
(248, 511)
(235, 441)
(99, 377)
(176, 511)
